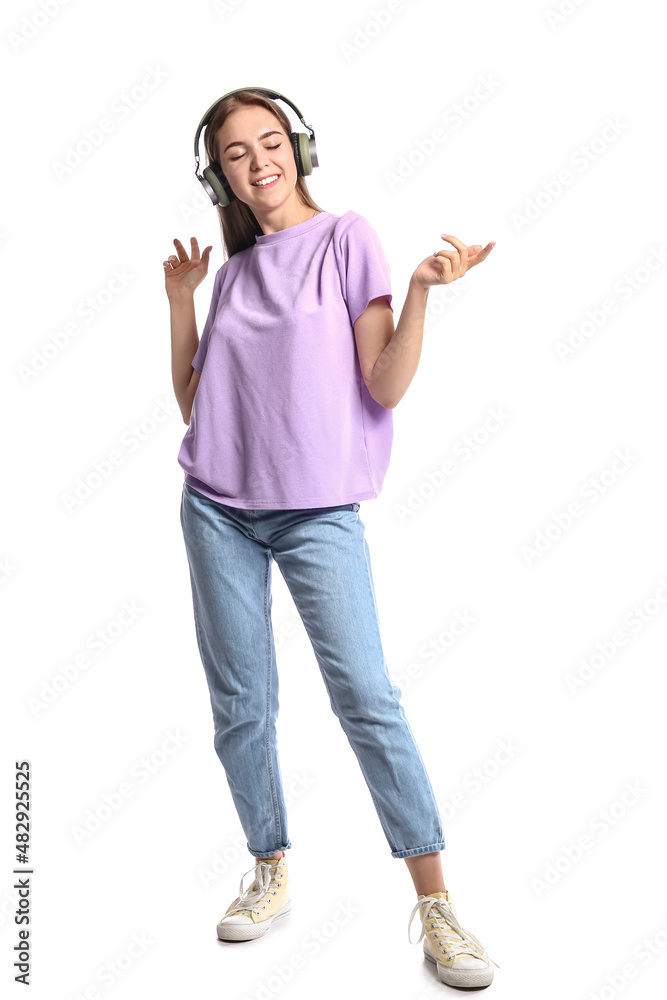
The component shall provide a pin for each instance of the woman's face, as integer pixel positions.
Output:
(252, 145)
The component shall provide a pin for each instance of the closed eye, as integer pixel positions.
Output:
(266, 147)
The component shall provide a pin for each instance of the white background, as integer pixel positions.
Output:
(375, 87)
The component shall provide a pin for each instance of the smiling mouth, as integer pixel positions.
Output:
(266, 181)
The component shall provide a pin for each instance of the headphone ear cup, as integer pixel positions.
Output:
(294, 139)
(219, 185)
(301, 143)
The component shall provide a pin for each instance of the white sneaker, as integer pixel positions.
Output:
(460, 958)
(266, 898)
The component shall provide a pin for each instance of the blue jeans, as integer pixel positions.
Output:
(324, 559)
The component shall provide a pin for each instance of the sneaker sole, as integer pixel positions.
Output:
(248, 932)
(471, 977)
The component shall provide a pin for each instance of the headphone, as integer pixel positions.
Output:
(215, 183)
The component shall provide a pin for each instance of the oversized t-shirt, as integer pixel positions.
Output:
(282, 417)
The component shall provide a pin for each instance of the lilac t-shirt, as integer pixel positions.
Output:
(282, 417)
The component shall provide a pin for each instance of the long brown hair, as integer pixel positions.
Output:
(237, 222)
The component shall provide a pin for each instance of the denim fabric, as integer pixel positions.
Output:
(324, 559)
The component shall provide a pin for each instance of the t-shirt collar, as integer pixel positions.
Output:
(285, 234)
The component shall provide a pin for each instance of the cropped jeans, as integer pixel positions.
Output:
(324, 559)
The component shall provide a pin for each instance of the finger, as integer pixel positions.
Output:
(195, 248)
(483, 254)
(446, 268)
(181, 251)
(463, 253)
(454, 258)
(454, 241)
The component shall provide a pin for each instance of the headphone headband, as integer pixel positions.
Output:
(272, 94)
(303, 146)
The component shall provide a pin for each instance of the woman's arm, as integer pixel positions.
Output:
(182, 274)
(184, 344)
(389, 358)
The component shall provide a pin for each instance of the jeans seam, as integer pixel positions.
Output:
(267, 741)
(383, 819)
(415, 851)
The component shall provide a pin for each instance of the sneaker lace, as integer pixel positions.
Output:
(456, 940)
(266, 877)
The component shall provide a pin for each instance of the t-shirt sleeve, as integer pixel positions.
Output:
(200, 355)
(366, 274)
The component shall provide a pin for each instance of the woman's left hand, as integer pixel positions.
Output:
(447, 265)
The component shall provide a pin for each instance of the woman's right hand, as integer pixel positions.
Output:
(183, 273)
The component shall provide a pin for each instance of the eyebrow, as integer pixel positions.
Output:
(262, 136)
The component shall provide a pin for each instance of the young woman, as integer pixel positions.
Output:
(289, 397)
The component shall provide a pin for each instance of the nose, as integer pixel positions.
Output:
(256, 157)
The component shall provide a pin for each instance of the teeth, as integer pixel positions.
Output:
(267, 180)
